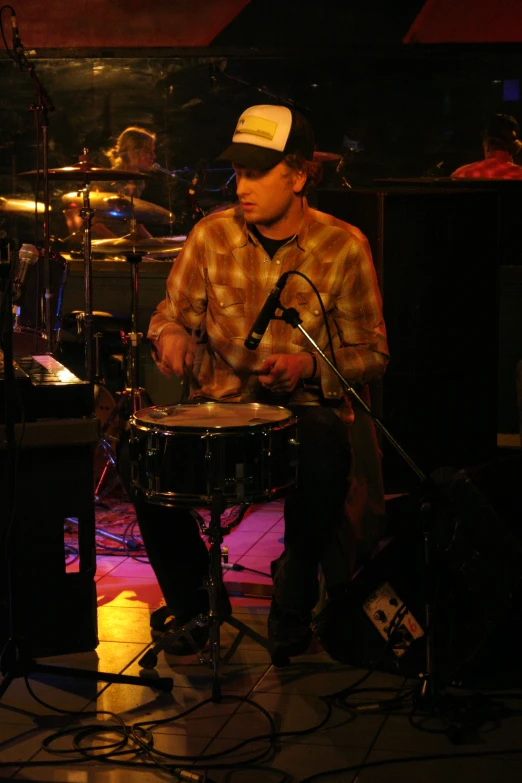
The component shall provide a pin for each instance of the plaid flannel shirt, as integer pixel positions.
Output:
(222, 277)
(497, 165)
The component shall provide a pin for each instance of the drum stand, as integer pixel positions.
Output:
(133, 397)
(215, 617)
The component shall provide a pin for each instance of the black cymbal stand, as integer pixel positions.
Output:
(42, 106)
(133, 398)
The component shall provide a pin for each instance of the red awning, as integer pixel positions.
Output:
(58, 24)
(467, 21)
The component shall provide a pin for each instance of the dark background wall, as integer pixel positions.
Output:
(186, 69)
(375, 92)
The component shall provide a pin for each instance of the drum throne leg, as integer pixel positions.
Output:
(215, 617)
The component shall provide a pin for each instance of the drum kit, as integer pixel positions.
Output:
(39, 319)
(206, 455)
(203, 455)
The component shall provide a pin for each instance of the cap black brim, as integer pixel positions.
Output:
(252, 157)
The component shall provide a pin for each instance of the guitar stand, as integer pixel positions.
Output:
(215, 617)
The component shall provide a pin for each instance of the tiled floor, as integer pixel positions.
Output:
(229, 739)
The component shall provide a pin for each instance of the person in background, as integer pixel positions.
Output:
(501, 142)
(134, 150)
(217, 286)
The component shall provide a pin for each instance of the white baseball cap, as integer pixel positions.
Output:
(265, 134)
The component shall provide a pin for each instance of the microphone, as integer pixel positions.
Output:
(27, 256)
(165, 171)
(266, 314)
(18, 49)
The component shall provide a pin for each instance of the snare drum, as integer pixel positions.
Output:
(186, 454)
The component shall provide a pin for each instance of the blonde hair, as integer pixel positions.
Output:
(130, 141)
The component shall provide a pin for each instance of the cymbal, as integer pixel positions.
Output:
(84, 172)
(325, 157)
(116, 205)
(130, 243)
(20, 206)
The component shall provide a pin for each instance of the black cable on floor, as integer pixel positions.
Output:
(410, 759)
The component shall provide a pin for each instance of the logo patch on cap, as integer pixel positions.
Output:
(257, 126)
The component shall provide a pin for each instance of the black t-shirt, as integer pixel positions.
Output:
(270, 245)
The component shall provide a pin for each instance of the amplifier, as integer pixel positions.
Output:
(53, 609)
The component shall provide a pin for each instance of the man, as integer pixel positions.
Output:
(500, 141)
(217, 286)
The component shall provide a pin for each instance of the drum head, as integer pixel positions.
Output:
(211, 415)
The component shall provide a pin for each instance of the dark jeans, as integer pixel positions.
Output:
(176, 551)
(315, 524)
(314, 514)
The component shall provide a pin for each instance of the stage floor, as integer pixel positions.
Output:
(383, 746)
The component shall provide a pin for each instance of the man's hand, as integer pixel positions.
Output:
(281, 372)
(176, 352)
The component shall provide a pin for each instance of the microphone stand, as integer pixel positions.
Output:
(42, 106)
(428, 693)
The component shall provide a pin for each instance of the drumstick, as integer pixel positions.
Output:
(191, 378)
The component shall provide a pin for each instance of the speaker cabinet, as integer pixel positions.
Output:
(474, 580)
(53, 609)
(435, 251)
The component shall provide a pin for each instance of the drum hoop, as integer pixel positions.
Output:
(232, 429)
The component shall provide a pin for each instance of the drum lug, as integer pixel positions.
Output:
(133, 458)
(134, 452)
(152, 463)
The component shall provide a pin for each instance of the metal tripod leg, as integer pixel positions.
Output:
(26, 668)
(244, 630)
(215, 617)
